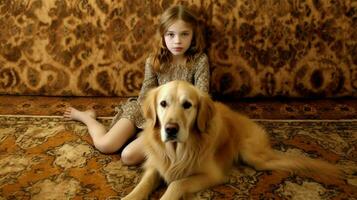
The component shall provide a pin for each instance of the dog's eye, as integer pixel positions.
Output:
(186, 105)
(163, 104)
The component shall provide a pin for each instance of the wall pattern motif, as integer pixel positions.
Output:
(300, 48)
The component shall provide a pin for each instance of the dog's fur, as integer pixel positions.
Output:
(192, 142)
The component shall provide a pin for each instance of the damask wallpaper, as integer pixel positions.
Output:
(292, 48)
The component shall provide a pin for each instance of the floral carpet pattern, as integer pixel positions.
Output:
(255, 108)
(47, 157)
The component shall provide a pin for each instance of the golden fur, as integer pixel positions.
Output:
(192, 142)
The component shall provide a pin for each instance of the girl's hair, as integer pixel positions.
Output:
(170, 16)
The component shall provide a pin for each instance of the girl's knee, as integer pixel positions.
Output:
(130, 156)
(103, 146)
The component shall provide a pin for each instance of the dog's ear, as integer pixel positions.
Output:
(205, 113)
(149, 107)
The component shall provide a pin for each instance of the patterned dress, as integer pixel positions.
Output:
(198, 75)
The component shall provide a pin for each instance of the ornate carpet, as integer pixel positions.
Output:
(45, 157)
(263, 108)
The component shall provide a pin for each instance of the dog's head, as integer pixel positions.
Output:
(177, 108)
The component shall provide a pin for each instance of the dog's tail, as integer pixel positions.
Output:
(274, 160)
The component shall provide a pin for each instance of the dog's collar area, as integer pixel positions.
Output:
(171, 152)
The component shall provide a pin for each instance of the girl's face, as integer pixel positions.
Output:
(178, 37)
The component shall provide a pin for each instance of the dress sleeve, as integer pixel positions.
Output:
(150, 79)
(202, 73)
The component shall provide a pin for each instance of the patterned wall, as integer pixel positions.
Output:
(293, 48)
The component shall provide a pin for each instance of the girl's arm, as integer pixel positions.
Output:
(202, 74)
(150, 79)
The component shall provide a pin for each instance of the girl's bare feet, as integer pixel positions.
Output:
(72, 113)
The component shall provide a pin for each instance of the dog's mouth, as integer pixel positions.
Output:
(170, 134)
(171, 145)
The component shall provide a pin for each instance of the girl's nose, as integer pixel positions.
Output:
(177, 39)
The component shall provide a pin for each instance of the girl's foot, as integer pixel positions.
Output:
(72, 113)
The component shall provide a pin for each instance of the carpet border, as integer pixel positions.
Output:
(254, 119)
(46, 116)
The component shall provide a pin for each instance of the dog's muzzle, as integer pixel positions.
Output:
(171, 130)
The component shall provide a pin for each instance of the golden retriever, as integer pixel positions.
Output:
(191, 142)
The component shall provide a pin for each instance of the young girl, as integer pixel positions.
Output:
(179, 56)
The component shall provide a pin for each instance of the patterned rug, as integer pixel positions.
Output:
(49, 158)
(263, 108)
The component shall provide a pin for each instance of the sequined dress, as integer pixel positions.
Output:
(198, 75)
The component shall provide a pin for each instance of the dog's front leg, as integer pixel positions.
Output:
(192, 184)
(147, 184)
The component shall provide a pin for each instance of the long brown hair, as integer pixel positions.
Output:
(170, 16)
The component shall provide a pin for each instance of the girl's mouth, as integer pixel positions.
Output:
(178, 49)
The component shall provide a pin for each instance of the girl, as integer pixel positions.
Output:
(179, 56)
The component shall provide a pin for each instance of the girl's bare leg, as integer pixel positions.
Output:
(133, 153)
(114, 139)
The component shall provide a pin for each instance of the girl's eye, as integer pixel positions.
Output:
(163, 104)
(170, 35)
(186, 105)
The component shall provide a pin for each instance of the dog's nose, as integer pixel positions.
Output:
(171, 130)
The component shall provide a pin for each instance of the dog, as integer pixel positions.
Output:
(191, 142)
